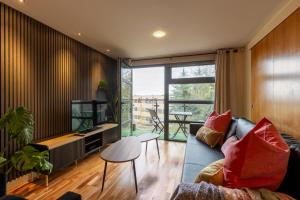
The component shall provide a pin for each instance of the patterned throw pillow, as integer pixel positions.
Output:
(213, 131)
(213, 173)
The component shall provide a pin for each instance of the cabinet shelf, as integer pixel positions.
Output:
(67, 149)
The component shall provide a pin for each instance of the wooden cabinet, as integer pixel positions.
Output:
(111, 136)
(70, 148)
(66, 155)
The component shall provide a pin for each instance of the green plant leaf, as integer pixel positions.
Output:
(102, 84)
(20, 124)
(29, 158)
(6, 118)
(22, 160)
(43, 165)
(2, 160)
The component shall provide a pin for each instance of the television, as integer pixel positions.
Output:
(87, 115)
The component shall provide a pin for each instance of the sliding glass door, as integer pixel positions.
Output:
(166, 99)
(190, 90)
(126, 100)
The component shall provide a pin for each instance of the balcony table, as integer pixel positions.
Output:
(181, 122)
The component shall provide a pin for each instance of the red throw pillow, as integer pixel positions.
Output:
(228, 143)
(213, 131)
(218, 122)
(258, 160)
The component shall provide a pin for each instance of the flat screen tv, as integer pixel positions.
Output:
(86, 115)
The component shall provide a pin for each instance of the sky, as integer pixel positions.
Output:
(148, 81)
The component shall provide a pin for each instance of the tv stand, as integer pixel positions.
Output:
(70, 148)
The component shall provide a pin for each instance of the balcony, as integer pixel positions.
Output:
(143, 123)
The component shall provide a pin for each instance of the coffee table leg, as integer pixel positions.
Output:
(103, 179)
(157, 148)
(136, 188)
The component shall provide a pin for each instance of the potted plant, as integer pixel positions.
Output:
(18, 124)
(112, 99)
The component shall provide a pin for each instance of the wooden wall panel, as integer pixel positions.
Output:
(44, 70)
(276, 76)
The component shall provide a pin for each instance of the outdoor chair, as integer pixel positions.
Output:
(157, 123)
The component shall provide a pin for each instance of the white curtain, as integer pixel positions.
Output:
(230, 81)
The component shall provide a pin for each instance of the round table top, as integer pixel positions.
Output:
(148, 136)
(124, 150)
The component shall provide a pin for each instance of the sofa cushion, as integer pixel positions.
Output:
(214, 129)
(258, 160)
(213, 173)
(209, 136)
(198, 152)
(243, 127)
(190, 172)
(229, 142)
(231, 129)
(290, 183)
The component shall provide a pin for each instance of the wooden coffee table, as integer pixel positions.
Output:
(125, 150)
(150, 136)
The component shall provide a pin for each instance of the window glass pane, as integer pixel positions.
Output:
(142, 120)
(126, 75)
(126, 91)
(199, 112)
(199, 91)
(193, 71)
(126, 119)
(176, 133)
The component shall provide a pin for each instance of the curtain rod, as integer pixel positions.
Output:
(172, 57)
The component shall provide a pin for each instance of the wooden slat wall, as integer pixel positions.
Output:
(276, 76)
(44, 70)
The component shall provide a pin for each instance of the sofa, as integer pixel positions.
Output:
(199, 155)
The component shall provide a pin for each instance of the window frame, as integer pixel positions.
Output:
(194, 80)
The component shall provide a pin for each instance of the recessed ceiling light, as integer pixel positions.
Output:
(21, 1)
(79, 34)
(107, 50)
(159, 34)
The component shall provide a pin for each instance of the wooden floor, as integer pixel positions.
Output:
(156, 178)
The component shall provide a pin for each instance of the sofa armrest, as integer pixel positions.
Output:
(194, 127)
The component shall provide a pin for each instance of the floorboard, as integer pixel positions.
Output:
(156, 178)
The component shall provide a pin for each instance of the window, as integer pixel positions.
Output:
(195, 91)
(193, 71)
(191, 93)
(192, 88)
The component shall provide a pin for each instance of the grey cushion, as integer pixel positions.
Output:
(197, 156)
(190, 171)
(197, 152)
(243, 127)
(231, 129)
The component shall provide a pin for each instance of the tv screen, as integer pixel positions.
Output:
(88, 114)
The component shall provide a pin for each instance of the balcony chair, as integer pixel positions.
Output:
(157, 123)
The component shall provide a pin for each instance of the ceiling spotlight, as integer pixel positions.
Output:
(159, 34)
(107, 50)
(21, 1)
(79, 34)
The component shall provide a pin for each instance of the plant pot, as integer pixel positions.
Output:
(101, 95)
(3, 184)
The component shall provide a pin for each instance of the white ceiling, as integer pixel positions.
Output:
(125, 26)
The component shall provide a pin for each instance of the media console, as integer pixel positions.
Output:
(70, 148)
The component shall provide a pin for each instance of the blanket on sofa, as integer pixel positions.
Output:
(204, 191)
